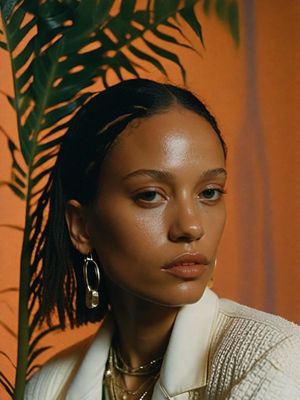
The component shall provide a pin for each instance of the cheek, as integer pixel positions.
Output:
(127, 235)
(215, 221)
(129, 247)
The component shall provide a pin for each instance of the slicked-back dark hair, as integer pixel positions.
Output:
(75, 176)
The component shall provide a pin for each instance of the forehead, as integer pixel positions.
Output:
(175, 139)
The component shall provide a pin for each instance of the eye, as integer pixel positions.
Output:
(212, 194)
(149, 197)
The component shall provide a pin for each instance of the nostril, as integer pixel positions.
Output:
(186, 234)
(185, 222)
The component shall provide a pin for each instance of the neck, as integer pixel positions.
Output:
(143, 328)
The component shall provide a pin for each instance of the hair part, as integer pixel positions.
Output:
(75, 174)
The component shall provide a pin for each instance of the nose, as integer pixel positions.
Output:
(186, 224)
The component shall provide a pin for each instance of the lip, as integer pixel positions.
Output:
(187, 265)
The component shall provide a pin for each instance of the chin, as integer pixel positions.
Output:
(182, 295)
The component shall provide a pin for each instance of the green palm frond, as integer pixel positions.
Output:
(3, 45)
(6, 384)
(228, 13)
(57, 50)
(18, 174)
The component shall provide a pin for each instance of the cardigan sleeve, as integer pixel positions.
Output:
(52, 380)
(254, 356)
(275, 376)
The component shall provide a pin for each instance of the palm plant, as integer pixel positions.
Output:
(57, 50)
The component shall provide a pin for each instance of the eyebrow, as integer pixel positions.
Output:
(167, 176)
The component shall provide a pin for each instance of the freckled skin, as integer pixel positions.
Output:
(135, 234)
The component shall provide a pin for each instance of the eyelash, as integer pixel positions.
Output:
(221, 192)
(139, 196)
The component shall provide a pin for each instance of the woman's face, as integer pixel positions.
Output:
(159, 216)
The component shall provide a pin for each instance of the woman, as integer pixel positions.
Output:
(136, 216)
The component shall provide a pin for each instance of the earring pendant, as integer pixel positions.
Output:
(91, 294)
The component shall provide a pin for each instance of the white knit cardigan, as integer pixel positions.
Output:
(218, 350)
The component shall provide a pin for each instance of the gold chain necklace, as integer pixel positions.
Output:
(115, 384)
(143, 370)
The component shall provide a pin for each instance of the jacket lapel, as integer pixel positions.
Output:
(184, 370)
(87, 383)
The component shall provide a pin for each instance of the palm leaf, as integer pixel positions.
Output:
(147, 57)
(233, 21)
(3, 380)
(3, 45)
(227, 11)
(188, 14)
(17, 182)
(41, 335)
(6, 384)
(34, 354)
(8, 329)
(167, 55)
(8, 358)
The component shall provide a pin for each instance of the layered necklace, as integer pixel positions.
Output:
(116, 368)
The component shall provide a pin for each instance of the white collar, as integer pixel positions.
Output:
(186, 360)
(87, 383)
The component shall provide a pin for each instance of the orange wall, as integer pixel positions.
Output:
(254, 92)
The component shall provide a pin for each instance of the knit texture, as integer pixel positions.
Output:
(253, 355)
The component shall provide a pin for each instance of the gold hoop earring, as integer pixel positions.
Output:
(91, 294)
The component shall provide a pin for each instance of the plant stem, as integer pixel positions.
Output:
(23, 327)
(23, 320)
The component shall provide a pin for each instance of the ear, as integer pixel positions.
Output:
(76, 218)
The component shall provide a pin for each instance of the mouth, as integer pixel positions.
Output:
(187, 266)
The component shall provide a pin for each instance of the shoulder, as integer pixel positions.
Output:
(258, 331)
(50, 381)
(256, 324)
(255, 348)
